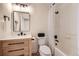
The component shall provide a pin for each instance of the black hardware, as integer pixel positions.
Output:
(56, 40)
(24, 34)
(55, 43)
(18, 34)
(21, 33)
(6, 17)
(56, 12)
(55, 36)
(32, 39)
(53, 4)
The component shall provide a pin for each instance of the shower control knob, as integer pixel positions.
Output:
(56, 12)
(55, 36)
(55, 43)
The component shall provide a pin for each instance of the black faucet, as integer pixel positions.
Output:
(21, 33)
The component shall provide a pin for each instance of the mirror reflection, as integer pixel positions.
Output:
(21, 21)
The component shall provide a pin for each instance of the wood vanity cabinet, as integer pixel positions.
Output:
(15, 47)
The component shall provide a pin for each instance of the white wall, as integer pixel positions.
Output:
(39, 18)
(5, 10)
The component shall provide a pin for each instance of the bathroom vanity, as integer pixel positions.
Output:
(18, 46)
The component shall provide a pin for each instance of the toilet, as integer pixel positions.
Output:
(44, 50)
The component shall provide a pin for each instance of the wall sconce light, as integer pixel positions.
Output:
(53, 4)
(21, 4)
(6, 17)
(22, 7)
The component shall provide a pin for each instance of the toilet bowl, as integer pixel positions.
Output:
(44, 51)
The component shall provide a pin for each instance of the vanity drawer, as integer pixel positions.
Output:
(16, 43)
(15, 47)
(15, 52)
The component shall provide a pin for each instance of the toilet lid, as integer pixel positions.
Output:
(45, 50)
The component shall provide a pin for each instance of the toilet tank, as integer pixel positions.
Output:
(42, 40)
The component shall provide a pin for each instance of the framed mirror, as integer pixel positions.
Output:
(21, 21)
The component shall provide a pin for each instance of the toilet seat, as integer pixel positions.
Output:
(45, 50)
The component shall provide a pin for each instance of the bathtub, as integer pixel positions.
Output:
(59, 52)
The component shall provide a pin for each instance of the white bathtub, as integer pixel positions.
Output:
(59, 52)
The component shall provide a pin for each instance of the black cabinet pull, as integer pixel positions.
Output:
(32, 39)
